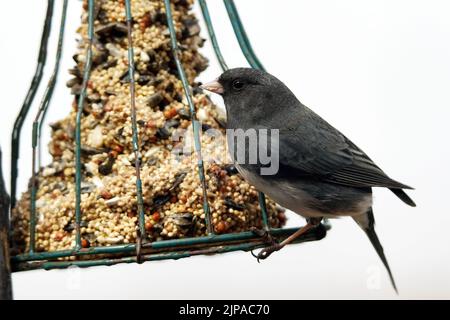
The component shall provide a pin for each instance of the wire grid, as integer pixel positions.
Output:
(141, 251)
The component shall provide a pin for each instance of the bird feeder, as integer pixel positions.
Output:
(111, 194)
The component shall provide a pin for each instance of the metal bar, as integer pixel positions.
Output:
(161, 245)
(262, 205)
(15, 136)
(32, 226)
(54, 76)
(5, 267)
(162, 256)
(87, 69)
(254, 62)
(37, 123)
(241, 35)
(20, 263)
(251, 58)
(212, 35)
(195, 124)
(137, 165)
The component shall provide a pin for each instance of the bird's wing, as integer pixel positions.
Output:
(323, 152)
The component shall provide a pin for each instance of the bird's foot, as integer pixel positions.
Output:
(272, 243)
(266, 252)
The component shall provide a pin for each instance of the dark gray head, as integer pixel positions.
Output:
(251, 93)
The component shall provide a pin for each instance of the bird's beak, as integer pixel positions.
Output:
(213, 86)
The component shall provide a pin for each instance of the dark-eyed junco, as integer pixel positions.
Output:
(319, 172)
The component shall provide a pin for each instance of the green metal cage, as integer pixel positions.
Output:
(140, 251)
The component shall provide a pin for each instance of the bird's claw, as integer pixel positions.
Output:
(273, 244)
(266, 252)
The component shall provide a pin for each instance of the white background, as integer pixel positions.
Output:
(377, 70)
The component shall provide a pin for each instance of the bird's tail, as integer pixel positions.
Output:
(403, 196)
(368, 225)
(379, 249)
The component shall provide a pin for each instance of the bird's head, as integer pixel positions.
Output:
(239, 82)
(248, 92)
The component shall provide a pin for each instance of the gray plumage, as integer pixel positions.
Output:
(321, 172)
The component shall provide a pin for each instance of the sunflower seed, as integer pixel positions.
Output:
(154, 100)
(114, 29)
(106, 167)
(231, 204)
(179, 177)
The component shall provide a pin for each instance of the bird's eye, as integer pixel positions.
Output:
(237, 84)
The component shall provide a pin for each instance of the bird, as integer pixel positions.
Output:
(320, 172)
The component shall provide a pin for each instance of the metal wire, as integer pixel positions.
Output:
(15, 137)
(254, 62)
(212, 34)
(195, 124)
(78, 177)
(249, 54)
(137, 165)
(241, 35)
(37, 124)
(164, 249)
(251, 58)
(247, 245)
(156, 245)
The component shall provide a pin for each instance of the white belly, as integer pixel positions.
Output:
(293, 198)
